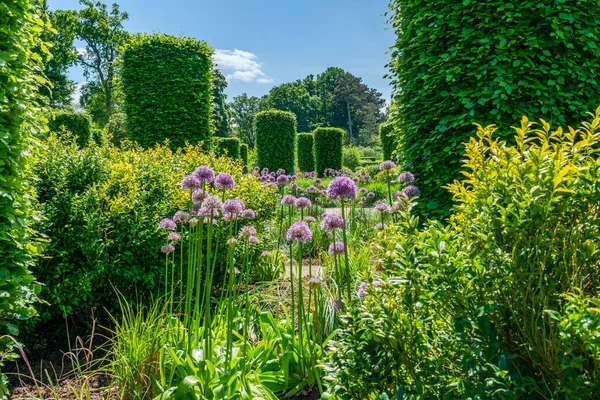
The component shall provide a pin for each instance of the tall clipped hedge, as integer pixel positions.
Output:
(20, 68)
(275, 139)
(388, 140)
(328, 148)
(499, 60)
(167, 82)
(228, 146)
(305, 152)
(244, 155)
(79, 124)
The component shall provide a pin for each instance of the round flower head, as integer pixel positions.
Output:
(293, 177)
(311, 189)
(233, 207)
(315, 281)
(247, 231)
(265, 254)
(283, 180)
(167, 248)
(288, 199)
(294, 186)
(232, 242)
(406, 177)
(280, 171)
(361, 200)
(382, 207)
(253, 240)
(248, 214)
(387, 165)
(302, 202)
(332, 221)
(211, 203)
(204, 174)
(257, 169)
(174, 237)
(193, 221)
(181, 216)
(336, 248)
(411, 191)
(380, 227)
(310, 219)
(299, 232)
(355, 180)
(168, 224)
(317, 200)
(198, 195)
(229, 217)
(265, 171)
(318, 181)
(370, 195)
(190, 182)
(341, 188)
(224, 181)
(362, 190)
(362, 290)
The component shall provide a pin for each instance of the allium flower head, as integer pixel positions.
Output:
(302, 202)
(411, 191)
(265, 254)
(232, 242)
(193, 221)
(341, 188)
(362, 190)
(406, 177)
(211, 203)
(362, 290)
(204, 174)
(174, 236)
(315, 281)
(247, 231)
(336, 248)
(224, 181)
(382, 207)
(248, 214)
(265, 171)
(310, 219)
(280, 171)
(318, 181)
(332, 221)
(190, 182)
(234, 207)
(299, 232)
(312, 189)
(181, 216)
(387, 165)
(253, 240)
(370, 195)
(283, 180)
(198, 195)
(168, 224)
(167, 248)
(288, 199)
(355, 180)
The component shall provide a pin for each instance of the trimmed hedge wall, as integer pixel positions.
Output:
(167, 82)
(228, 146)
(275, 139)
(328, 149)
(244, 155)
(388, 141)
(79, 124)
(305, 152)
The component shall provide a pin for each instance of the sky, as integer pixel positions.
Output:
(262, 43)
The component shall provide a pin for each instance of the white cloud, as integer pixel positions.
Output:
(81, 51)
(240, 65)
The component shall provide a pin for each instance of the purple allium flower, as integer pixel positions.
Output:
(312, 189)
(256, 169)
(229, 217)
(302, 202)
(362, 190)
(361, 200)
(382, 207)
(299, 232)
(234, 207)
(318, 181)
(198, 195)
(253, 240)
(280, 171)
(336, 248)
(211, 203)
(411, 191)
(232, 242)
(387, 165)
(377, 283)
(396, 194)
(355, 180)
(362, 290)
(337, 304)
(288, 199)
(193, 221)
(265, 171)
(310, 219)
(294, 186)
(317, 200)
(380, 226)
(204, 174)
(168, 224)
(406, 177)
(247, 231)
(341, 188)
(214, 220)
(370, 195)
(248, 214)
(293, 177)
(181, 216)
(265, 254)
(283, 180)
(315, 281)
(167, 248)
(174, 236)
(332, 221)
(224, 181)
(190, 182)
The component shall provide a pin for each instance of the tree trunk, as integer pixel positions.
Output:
(349, 119)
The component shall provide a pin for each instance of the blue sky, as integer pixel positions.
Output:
(262, 43)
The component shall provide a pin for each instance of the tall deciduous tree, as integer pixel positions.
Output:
(295, 97)
(221, 112)
(243, 108)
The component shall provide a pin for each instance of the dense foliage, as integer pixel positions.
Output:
(388, 141)
(79, 124)
(244, 155)
(328, 144)
(305, 152)
(275, 139)
(499, 60)
(229, 147)
(167, 82)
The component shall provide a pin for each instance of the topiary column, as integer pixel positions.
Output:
(305, 152)
(388, 140)
(167, 82)
(328, 144)
(244, 155)
(229, 147)
(275, 139)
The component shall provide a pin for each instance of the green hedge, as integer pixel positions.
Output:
(244, 155)
(275, 139)
(305, 152)
(79, 124)
(500, 60)
(167, 82)
(228, 146)
(388, 141)
(328, 149)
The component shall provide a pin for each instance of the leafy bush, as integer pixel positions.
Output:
(101, 209)
(328, 149)
(117, 127)
(351, 157)
(167, 88)
(79, 124)
(305, 152)
(533, 58)
(275, 139)
(388, 140)
(229, 147)
(244, 155)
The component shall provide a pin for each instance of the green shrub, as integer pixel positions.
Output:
(244, 155)
(167, 86)
(328, 149)
(351, 157)
(388, 140)
(305, 152)
(229, 147)
(275, 139)
(369, 152)
(117, 127)
(79, 124)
